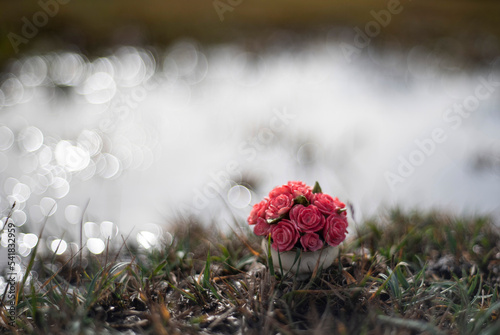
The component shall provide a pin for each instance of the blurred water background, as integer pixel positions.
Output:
(129, 139)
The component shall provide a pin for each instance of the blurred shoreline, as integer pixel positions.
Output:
(466, 30)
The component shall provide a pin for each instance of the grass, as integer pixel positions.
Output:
(404, 273)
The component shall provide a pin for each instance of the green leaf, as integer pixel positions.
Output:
(224, 250)
(244, 261)
(274, 221)
(297, 260)
(159, 267)
(184, 293)
(301, 200)
(401, 278)
(92, 291)
(270, 257)
(206, 272)
(484, 316)
(317, 188)
(452, 241)
(473, 285)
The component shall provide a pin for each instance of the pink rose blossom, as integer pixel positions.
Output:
(281, 200)
(311, 242)
(262, 228)
(335, 229)
(299, 188)
(307, 219)
(258, 211)
(340, 205)
(284, 236)
(320, 221)
(326, 204)
(280, 190)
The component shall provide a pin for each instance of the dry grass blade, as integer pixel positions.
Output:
(190, 287)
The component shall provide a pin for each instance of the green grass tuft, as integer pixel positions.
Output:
(405, 273)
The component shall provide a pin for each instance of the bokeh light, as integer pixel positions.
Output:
(91, 229)
(239, 196)
(147, 239)
(108, 166)
(31, 139)
(33, 71)
(30, 240)
(6, 138)
(108, 229)
(71, 157)
(99, 88)
(73, 214)
(90, 141)
(309, 153)
(21, 192)
(60, 187)
(58, 246)
(13, 91)
(48, 206)
(19, 217)
(67, 68)
(95, 245)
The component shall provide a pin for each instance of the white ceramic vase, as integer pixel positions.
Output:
(308, 259)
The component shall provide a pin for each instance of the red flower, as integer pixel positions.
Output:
(335, 229)
(262, 228)
(284, 236)
(327, 205)
(311, 242)
(340, 205)
(319, 221)
(279, 190)
(258, 211)
(281, 200)
(307, 219)
(300, 188)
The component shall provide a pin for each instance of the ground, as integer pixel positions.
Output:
(402, 273)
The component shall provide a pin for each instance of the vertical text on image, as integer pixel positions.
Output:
(11, 274)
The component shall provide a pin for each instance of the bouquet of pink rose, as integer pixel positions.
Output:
(298, 216)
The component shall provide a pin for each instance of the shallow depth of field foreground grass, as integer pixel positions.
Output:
(406, 273)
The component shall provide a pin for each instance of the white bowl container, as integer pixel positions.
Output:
(308, 259)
